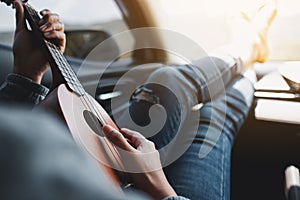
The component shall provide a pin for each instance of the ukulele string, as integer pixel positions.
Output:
(84, 99)
(89, 105)
(111, 147)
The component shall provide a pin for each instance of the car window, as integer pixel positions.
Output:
(87, 22)
(72, 12)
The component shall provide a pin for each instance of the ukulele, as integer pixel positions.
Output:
(82, 113)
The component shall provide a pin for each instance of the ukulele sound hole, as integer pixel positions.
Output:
(93, 122)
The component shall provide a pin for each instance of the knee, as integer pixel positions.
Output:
(156, 84)
(166, 76)
(174, 80)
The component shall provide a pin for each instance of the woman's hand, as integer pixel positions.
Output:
(29, 59)
(142, 160)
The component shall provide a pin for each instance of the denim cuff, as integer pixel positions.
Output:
(175, 198)
(19, 89)
(27, 84)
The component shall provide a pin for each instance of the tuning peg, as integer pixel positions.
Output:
(8, 3)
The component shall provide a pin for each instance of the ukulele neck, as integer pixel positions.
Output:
(56, 58)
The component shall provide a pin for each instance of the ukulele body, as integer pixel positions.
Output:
(82, 116)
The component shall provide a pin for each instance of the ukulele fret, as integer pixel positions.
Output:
(65, 69)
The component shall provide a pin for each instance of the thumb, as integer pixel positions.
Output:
(20, 16)
(116, 138)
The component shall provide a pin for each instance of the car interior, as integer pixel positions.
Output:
(269, 141)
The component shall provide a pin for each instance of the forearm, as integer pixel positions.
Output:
(20, 90)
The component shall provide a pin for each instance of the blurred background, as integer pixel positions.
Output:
(207, 22)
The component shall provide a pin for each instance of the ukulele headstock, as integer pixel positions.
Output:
(10, 2)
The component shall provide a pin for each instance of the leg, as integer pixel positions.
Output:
(191, 156)
(196, 161)
(164, 104)
(198, 177)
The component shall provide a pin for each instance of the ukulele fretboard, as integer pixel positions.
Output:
(57, 56)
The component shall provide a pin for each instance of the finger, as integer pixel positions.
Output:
(59, 38)
(49, 17)
(57, 35)
(116, 138)
(138, 140)
(20, 17)
(134, 137)
(44, 12)
(131, 134)
(57, 26)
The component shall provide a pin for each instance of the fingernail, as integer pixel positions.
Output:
(41, 22)
(107, 129)
(43, 27)
(43, 12)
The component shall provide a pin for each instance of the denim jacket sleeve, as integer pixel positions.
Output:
(18, 89)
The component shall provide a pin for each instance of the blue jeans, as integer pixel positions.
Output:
(195, 143)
